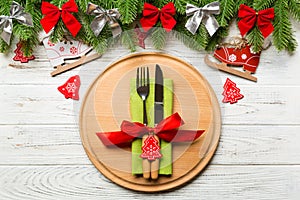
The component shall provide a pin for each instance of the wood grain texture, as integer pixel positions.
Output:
(41, 156)
(261, 105)
(85, 182)
(239, 145)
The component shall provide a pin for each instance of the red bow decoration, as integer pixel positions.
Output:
(249, 17)
(167, 130)
(53, 13)
(152, 13)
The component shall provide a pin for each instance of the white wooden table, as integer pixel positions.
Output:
(258, 157)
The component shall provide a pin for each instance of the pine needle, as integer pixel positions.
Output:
(255, 39)
(227, 12)
(261, 5)
(294, 8)
(283, 36)
(159, 37)
(128, 10)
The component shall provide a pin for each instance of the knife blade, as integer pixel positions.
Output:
(158, 112)
(159, 95)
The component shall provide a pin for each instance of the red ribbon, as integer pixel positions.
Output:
(249, 17)
(167, 130)
(152, 13)
(53, 14)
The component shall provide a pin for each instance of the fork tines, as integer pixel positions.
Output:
(142, 77)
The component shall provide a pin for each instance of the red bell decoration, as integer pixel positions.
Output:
(71, 88)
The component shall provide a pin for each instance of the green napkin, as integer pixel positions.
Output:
(136, 109)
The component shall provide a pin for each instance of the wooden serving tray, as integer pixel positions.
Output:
(106, 105)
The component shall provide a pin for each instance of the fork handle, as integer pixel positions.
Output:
(145, 119)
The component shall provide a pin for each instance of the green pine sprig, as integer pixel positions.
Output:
(4, 10)
(131, 11)
(255, 39)
(183, 35)
(228, 10)
(128, 10)
(217, 38)
(294, 8)
(283, 35)
(159, 37)
(129, 38)
(261, 5)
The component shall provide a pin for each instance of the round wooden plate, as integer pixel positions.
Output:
(106, 105)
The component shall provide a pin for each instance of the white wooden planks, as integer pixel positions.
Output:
(41, 156)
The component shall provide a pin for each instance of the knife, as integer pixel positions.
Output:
(159, 95)
(158, 112)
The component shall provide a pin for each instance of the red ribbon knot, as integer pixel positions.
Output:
(167, 130)
(53, 14)
(250, 17)
(151, 14)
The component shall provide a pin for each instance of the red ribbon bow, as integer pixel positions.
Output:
(167, 130)
(262, 18)
(53, 13)
(152, 13)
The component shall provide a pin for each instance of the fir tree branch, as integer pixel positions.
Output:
(82, 5)
(58, 32)
(246, 2)
(217, 38)
(261, 5)
(159, 3)
(292, 45)
(180, 6)
(159, 37)
(227, 12)
(283, 36)
(3, 46)
(255, 39)
(202, 37)
(100, 43)
(107, 4)
(129, 39)
(128, 10)
(4, 10)
(294, 8)
(183, 35)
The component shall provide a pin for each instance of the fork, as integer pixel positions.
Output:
(143, 88)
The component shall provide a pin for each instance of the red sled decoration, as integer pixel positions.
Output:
(71, 88)
(231, 92)
(242, 57)
(151, 149)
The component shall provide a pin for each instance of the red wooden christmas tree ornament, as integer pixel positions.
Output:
(20, 56)
(150, 149)
(231, 92)
(71, 88)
